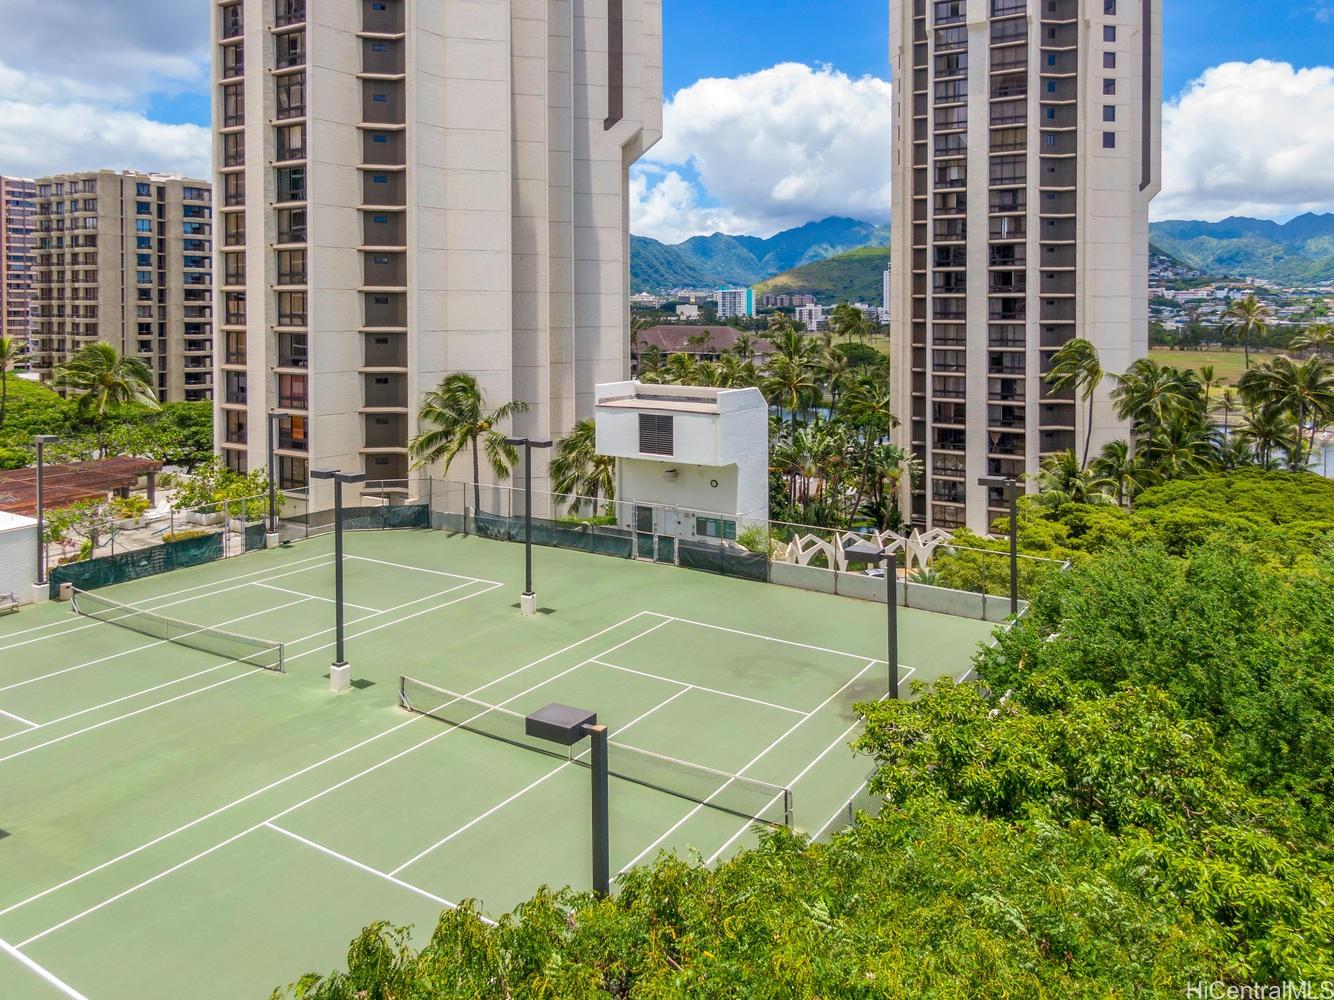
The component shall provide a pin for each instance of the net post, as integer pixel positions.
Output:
(402, 691)
(601, 812)
(787, 808)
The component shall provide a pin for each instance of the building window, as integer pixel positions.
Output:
(291, 184)
(1109, 88)
(655, 434)
(291, 309)
(291, 267)
(1109, 112)
(233, 105)
(141, 190)
(1109, 60)
(1109, 32)
(291, 225)
(292, 142)
(292, 95)
(233, 188)
(1109, 7)
(1109, 140)
(290, 12)
(233, 149)
(291, 49)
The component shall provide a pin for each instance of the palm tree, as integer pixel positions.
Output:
(1149, 394)
(1127, 472)
(1267, 429)
(579, 472)
(1229, 402)
(1209, 380)
(1183, 446)
(459, 420)
(1304, 390)
(1317, 338)
(744, 346)
(866, 405)
(10, 349)
(1076, 365)
(787, 380)
(1245, 318)
(104, 380)
(1061, 480)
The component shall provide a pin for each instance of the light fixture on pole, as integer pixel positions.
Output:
(340, 674)
(865, 552)
(271, 537)
(566, 727)
(1014, 489)
(40, 589)
(528, 602)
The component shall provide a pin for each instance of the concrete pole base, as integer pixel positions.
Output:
(271, 540)
(41, 593)
(340, 678)
(528, 604)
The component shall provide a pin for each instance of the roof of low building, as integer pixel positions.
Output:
(71, 483)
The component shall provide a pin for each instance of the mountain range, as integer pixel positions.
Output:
(1297, 252)
(719, 260)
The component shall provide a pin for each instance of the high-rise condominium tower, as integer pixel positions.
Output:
(1026, 152)
(411, 189)
(127, 258)
(17, 256)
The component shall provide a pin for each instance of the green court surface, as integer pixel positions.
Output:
(174, 823)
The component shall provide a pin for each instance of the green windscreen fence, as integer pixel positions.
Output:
(108, 570)
(254, 536)
(383, 518)
(599, 539)
(725, 560)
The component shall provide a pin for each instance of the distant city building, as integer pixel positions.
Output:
(18, 245)
(813, 317)
(773, 300)
(704, 343)
(687, 311)
(645, 299)
(887, 288)
(127, 259)
(1025, 154)
(735, 302)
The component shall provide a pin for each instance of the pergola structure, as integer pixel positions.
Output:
(74, 482)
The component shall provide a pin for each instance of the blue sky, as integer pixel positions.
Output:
(729, 37)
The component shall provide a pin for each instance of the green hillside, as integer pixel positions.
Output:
(855, 276)
(1300, 251)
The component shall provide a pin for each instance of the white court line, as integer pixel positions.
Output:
(697, 687)
(150, 690)
(248, 673)
(754, 760)
(295, 774)
(201, 673)
(315, 597)
(523, 791)
(768, 638)
(39, 970)
(373, 871)
(144, 606)
(422, 569)
(293, 808)
(18, 718)
(174, 593)
(140, 649)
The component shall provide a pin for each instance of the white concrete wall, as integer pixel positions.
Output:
(18, 555)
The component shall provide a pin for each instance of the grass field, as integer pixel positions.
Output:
(1228, 365)
(177, 824)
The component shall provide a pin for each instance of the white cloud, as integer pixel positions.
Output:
(777, 148)
(1249, 139)
(77, 78)
(50, 138)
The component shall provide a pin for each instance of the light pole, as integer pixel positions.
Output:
(865, 552)
(340, 674)
(567, 726)
(528, 602)
(40, 590)
(1013, 488)
(271, 539)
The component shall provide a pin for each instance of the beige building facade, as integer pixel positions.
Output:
(127, 259)
(408, 190)
(1026, 150)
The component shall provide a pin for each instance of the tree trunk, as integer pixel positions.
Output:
(1088, 438)
(476, 479)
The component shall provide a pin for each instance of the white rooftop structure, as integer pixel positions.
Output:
(691, 461)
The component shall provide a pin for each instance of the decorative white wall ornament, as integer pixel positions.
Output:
(918, 546)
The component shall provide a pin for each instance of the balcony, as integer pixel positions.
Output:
(1007, 283)
(293, 351)
(1007, 310)
(386, 430)
(386, 350)
(382, 18)
(1008, 255)
(386, 392)
(382, 57)
(1005, 363)
(1007, 227)
(1005, 443)
(387, 189)
(289, 12)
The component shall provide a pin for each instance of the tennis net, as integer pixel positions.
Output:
(242, 648)
(745, 797)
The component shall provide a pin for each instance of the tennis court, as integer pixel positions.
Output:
(196, 822)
